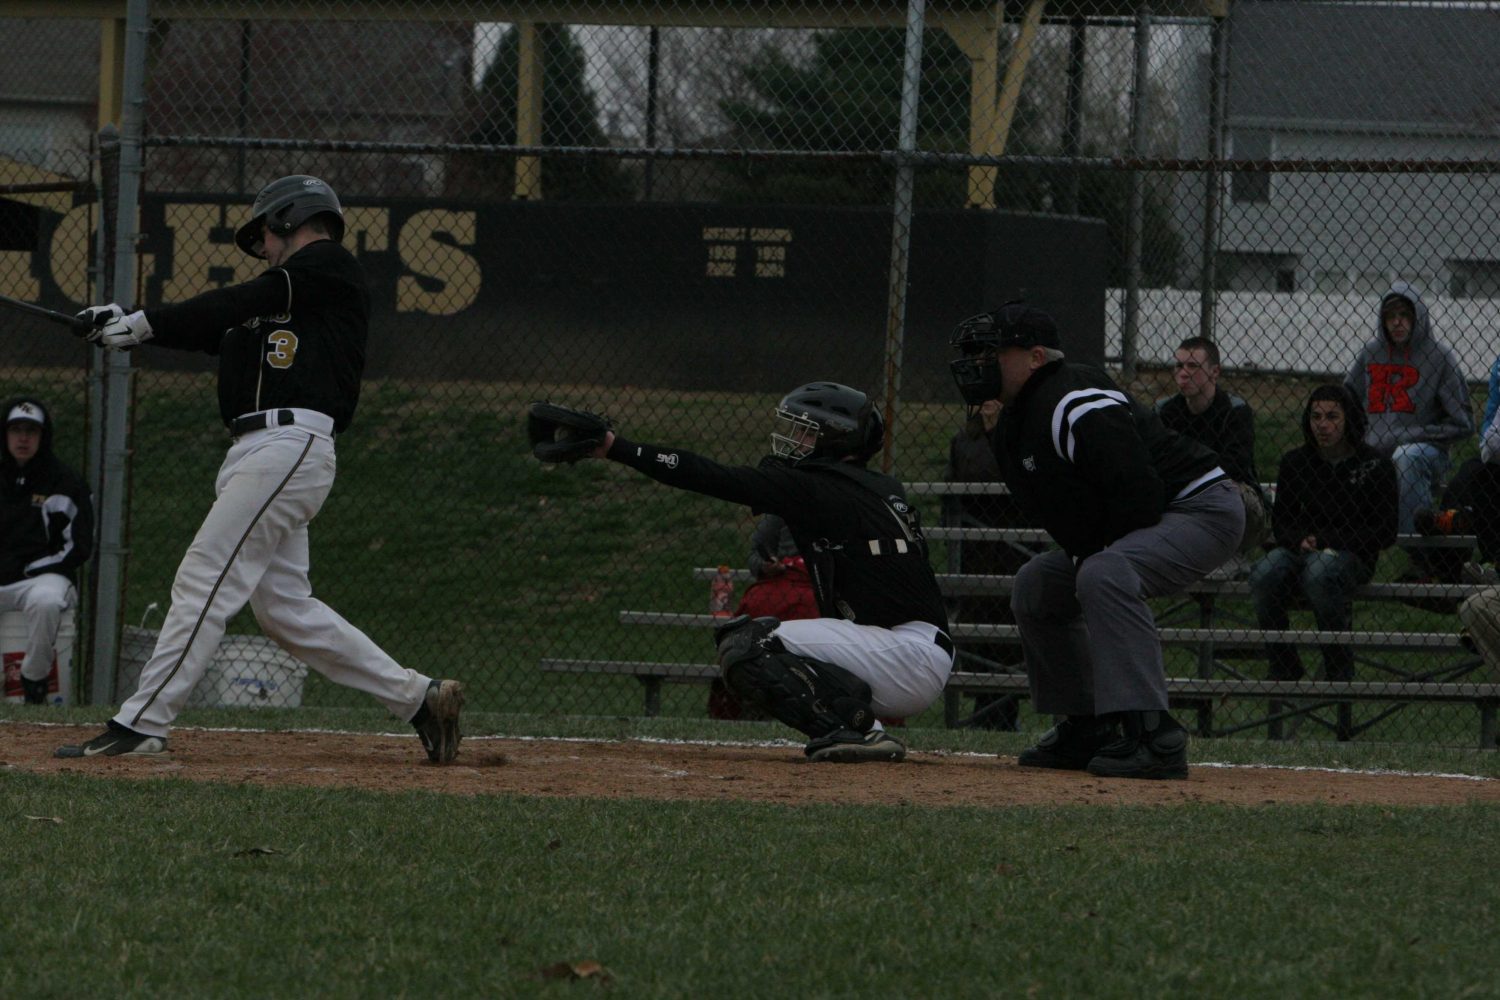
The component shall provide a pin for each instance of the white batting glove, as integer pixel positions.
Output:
(96, 317)
(125, 332)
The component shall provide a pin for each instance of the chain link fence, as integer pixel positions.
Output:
(674, 213)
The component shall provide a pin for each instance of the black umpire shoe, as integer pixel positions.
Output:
(1071, 744)
(436, 722)
(845, 746)
(1154, 745)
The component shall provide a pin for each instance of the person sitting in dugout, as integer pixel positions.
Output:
(881, 647)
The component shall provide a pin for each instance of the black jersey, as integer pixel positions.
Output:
(292, 337)
(1089, 463)
(862, 542)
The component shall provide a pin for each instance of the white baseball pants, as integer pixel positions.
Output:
(43, 599)
(252, 547)
(904, 665)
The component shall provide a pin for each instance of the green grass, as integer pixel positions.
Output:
(464, 557)
(156, 888)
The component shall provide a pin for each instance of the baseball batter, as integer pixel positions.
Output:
(881, 647)
(291, 348)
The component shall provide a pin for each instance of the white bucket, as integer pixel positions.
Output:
(251, 670)
(13, 651)
(247, 671)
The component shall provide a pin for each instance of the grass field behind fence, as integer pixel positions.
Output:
(464, 557)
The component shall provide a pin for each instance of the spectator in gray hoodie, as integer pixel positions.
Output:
(1415, 399)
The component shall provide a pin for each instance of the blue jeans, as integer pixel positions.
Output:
(1326, 579)
(1420, 468)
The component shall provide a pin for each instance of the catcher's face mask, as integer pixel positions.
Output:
(794, 436)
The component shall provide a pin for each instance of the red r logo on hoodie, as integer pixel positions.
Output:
(1388, 385)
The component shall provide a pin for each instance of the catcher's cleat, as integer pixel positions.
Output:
(117, 741)
(1159, 751)
(1069, 745)
(845, 746)
(436, 722)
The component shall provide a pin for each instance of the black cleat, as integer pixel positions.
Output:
(1069, 745)
(117, 741)
(436, 722)
(34, 692)
(845, 746)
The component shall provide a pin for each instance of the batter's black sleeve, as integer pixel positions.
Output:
(198, 323)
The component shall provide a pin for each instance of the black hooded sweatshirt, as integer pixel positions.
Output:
(1349, 504)
(46, 517)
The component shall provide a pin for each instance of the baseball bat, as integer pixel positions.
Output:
(80, 327)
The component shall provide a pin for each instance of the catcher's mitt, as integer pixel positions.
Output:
(560, 434)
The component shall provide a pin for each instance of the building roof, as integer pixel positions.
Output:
(1361, 66)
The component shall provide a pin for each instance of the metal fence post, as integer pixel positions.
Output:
(114, 457)
(901, 212)
(1135, 220)
(1218, 75)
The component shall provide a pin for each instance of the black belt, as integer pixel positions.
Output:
(240, 426)
(944, 643)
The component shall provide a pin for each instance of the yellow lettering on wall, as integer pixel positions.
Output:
(15, 276)
(373, 224)
(69, 255)
(443, 263)
(193, 255)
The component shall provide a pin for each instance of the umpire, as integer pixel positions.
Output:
(881, 647)
(1138, 512)
(291, 349)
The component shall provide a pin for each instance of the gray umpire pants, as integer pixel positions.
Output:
(1087, 633)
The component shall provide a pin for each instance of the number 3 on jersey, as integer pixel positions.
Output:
(283, 348)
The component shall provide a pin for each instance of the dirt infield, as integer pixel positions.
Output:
(695, 771)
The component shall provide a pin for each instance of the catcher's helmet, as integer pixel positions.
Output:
(287, 203)
(978, 338)
(826, 420)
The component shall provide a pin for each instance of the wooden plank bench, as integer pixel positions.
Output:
(1199, 693)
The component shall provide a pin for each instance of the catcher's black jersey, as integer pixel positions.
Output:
(862, 542)
(292, 337)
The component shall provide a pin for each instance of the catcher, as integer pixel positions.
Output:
(881, 647)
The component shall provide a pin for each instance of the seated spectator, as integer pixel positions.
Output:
(1335, 510)
(1209, 414)
(781, 589)
(46, 534)
(971, 459)
(1471, 505)
(1416, 402)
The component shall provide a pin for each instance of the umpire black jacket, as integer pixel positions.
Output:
(1090, 464)
(46, 519)
(862, 542)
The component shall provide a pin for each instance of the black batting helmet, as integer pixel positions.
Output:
(287, 203)
(827, 420)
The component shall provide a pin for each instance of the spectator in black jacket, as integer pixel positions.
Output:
(46, 534)
(1336, 508)
(1138, 512)
(1209, 414)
